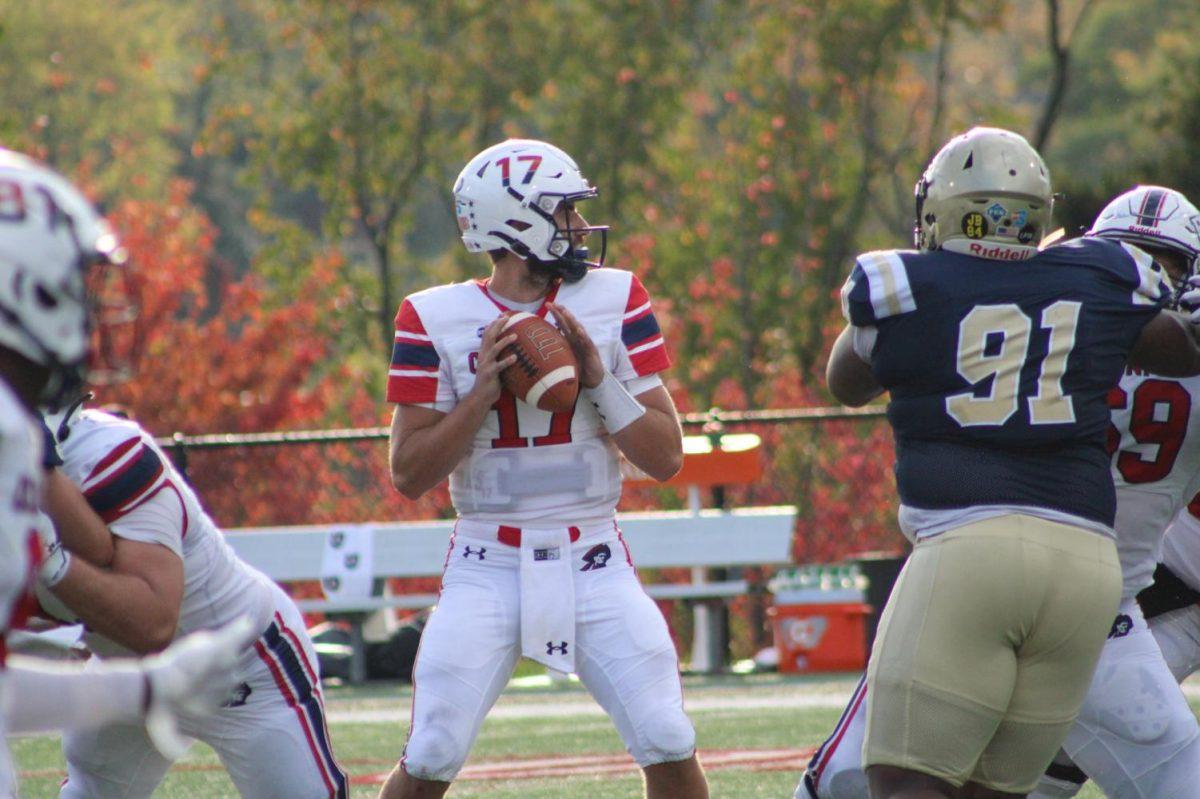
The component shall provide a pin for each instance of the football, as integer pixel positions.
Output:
(546, 373)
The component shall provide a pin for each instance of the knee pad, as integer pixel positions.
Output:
(1142, 719)
(435, 752)
(846, 784)
(664, 736)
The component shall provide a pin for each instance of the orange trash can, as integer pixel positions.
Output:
(821, 634)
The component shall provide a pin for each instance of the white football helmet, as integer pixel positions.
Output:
(49, 235)
(1153, 217)
(505, 198)
(986, 193)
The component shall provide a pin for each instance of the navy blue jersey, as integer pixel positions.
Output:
(998, 370)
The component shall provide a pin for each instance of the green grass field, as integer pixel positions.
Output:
(780, 718)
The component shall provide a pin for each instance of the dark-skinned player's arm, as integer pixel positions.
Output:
(848, 376)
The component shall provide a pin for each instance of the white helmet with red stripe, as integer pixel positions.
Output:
(505, 198)
(1156, 218)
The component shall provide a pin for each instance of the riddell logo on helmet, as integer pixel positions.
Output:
(1000, 252)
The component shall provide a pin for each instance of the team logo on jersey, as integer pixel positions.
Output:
(1122, 626)
(351, 560)
(552, 647)
(996, 212)
(238, 696)
(596, 557)
(331, 584)
(550, 553)
(337, 539)
(478, 553)
(974, 226)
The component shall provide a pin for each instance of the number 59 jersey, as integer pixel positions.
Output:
(998, 371)
(527, 465)
(1155, 464)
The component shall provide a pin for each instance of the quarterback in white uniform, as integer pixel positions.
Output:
(536, 566)
(49, 236)
(1135, 736)
(172, 574)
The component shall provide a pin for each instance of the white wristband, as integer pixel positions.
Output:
(55, 564)
(617, 407)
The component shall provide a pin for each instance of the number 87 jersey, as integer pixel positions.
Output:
(526, 465)
(998, 371)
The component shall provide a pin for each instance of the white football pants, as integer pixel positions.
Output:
(625, 656)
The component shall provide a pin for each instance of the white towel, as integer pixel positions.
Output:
(548, 599)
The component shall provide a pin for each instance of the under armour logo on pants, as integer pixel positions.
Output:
(551, 648)
(477, 553)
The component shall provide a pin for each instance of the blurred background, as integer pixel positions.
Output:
(280, 171)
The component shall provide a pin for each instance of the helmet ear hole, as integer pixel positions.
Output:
(45, 298)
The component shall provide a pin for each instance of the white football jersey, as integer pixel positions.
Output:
(525, 464)
(21, 478)
(1156, 465)
(135, 488)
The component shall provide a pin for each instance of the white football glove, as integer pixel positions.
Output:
(56, 560)
(1189, 300)
(193, 675)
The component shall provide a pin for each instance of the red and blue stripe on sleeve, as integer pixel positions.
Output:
(123, 479)
(413, 377)
(640, 333)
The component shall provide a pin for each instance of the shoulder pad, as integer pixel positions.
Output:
(112, 461)
(878, 287)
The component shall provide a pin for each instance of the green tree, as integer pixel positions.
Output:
(89, 84)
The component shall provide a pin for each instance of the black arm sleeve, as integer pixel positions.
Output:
(1167, 593)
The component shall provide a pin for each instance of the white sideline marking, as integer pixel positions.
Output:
(800, 697)
(586, 706)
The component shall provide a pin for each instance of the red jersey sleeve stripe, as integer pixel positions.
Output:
(640, 332)
(409, 321)
(637, 295)
(125, 485)
(650, 357)
(413, 376)
(118, 452)
(404, 388)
